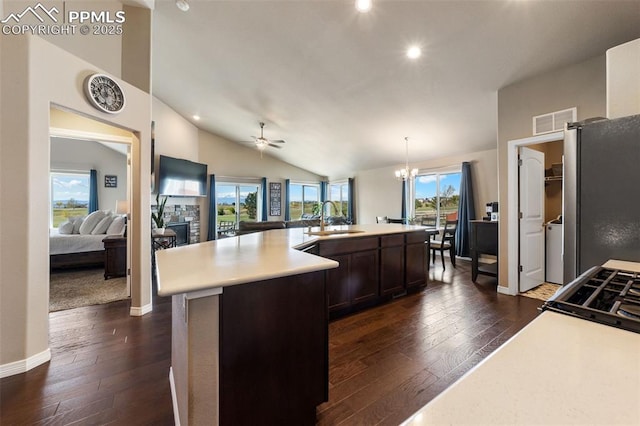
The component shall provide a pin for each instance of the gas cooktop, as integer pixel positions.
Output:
(604, 295)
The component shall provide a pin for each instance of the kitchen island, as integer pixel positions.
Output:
(250, 315)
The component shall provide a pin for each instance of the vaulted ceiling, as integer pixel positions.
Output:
(336, 84)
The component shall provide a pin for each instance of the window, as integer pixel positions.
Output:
(238, 201)
(437, 195)
(303, 199)
(339, 194)
(69, 196)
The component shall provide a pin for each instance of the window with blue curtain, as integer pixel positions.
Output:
(213, 211)
(403, 211)
(351, 203)
(341, 193)
(437, 194)
(93, 190)
(287, 198)
(466, 212)
(264, 199)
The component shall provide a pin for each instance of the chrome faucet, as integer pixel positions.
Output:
(322, 212)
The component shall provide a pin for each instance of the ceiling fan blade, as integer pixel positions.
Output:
(276, 141)
(274, 146)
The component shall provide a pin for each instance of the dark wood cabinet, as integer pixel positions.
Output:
(416, 260)
(484, 240)
(356, 279)
(115, 257)
(392, 264)
(363, 280)
(338, 282)
(372, 268)
(273, 346)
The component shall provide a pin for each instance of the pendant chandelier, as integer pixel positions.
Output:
(406, 173)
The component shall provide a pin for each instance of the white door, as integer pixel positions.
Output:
(531, 218)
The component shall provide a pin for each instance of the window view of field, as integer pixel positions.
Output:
(437, 195)
(339, 194)
(236, 203)
(69, 195)
(303, 199)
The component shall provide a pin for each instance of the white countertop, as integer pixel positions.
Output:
(557, 370)
(623, 265)
(251, 257)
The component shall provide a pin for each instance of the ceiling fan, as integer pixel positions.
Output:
(261, 142)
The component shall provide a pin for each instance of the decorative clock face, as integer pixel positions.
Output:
(104, 93)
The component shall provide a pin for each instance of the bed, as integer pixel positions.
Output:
(71, 250)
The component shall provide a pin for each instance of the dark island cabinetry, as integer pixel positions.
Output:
(372, 269)
(391, 264)
(416, 260)
(263, 381)
(356, 279)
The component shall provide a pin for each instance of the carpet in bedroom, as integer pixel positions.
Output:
(83, 287)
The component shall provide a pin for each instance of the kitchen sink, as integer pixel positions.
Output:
(333, 232)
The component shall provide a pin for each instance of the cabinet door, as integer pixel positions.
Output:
(338, 283)
(364, 282)
(416, 265)
(391, 269)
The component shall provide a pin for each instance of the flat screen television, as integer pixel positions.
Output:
(181, 178)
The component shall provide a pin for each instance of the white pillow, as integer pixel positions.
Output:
(65, 227)
(90, 222)
(103, 225)
(77, 222)
(117, 226)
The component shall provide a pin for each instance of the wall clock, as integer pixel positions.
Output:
(104, 93)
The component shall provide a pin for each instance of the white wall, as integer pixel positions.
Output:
(581, 85)
(623, 80)
(175, 136)
(72, 154)
(229, 159)
(379, 193)
(37, 76)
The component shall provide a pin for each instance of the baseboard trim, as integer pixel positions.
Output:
(505, 290)
(24, 365)
(140, 311)
(174, 398)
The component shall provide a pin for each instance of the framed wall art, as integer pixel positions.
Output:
(275, 199)
(110, 181)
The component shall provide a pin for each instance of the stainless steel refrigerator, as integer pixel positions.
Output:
(601, 197)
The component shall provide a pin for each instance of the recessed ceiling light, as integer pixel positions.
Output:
(363, 5)
(196, 117)
(414, 52)
(183, 5)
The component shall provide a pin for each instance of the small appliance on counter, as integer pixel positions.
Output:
(491, 212)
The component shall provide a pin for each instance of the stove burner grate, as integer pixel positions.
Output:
(603, 295)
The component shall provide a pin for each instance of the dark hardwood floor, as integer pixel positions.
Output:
(385, 363)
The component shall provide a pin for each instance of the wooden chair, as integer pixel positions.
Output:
(447, 242)
(382, 219)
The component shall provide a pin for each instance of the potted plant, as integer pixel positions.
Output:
(158, 215)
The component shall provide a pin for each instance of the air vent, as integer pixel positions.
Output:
(553, 121)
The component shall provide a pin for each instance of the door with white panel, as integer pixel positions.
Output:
(532, 239)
